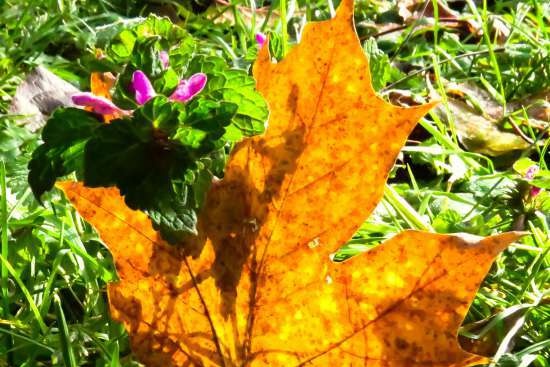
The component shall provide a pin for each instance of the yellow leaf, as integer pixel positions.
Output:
(257, 286)
(398, 305)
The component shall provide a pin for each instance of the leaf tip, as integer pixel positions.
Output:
(500, 241)
(345, 10)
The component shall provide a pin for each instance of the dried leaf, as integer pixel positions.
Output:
(478, 126)
(101, 85)
(537, 107)
(39, 95)
(481, 134)
(257, 286)
(397, 305)
(415, 10)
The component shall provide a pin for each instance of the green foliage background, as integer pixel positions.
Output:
(55, 269)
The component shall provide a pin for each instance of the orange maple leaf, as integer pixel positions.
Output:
(257, 286)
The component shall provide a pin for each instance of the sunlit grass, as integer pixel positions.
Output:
(55, 269)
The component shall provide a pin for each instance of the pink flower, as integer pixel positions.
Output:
(188, 88)
(144, 91)
(261, 39)
(98, 104)
(534, 191)
(531, 172)
(529, 175)
(164, 59)
(142, 87)
(185, 91)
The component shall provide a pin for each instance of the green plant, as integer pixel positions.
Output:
(163, 153)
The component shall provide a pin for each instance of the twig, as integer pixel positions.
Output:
(411, 31)
(400, 28)
(408, 76)
(520, 133)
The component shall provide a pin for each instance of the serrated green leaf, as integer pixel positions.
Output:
(237, 87)
(380, 68)
(62, 152)
(155, 171)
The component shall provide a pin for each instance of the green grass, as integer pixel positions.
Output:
(55, 269)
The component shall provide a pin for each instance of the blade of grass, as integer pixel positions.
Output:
(67, 350)
(284, 26)
(5, 249)
(26, 293)
(28, 339)
(406, 210)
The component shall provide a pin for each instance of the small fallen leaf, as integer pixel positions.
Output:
(257, 286)
(478, 126)
(480, 134)
(416, 10)
(537, 106)
(39, 95)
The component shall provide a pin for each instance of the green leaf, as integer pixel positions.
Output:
(206, 124)
(380, 68)
(118, 154)
(522, 165)
(154, 171)
(125, 45)
(173, 216)
(62, 152)
(542, 180)
(234, 86)
(125, 151)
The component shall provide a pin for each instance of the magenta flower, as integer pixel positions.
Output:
(534, 191)
(164, 59)
(144, 91)
(188, 88)
(185, 91)
(531, 172)
(529, 175)
(98, 104)
(142, 87)
(261, 39)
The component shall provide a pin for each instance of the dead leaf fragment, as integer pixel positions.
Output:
(101, 85)
(257, 286)
(39, 95)
(478, 126)
(423, 10)
(479, 133)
